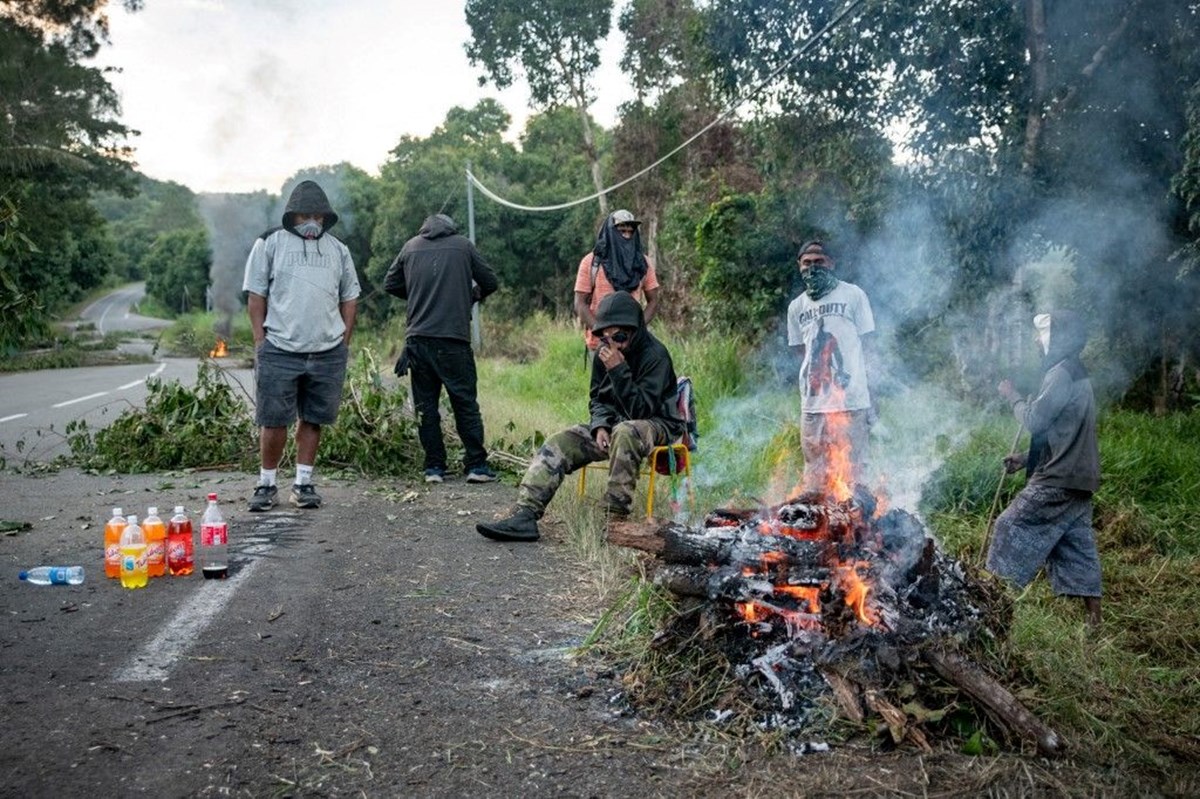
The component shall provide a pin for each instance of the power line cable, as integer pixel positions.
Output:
(728, 112)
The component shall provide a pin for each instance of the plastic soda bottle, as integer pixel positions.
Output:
(133, 555)
(181, 552)
(214, 542)
(112, 544)
(156, 543)
(53, 575)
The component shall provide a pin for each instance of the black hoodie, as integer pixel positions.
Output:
(308, 198)
(644, 387)
(437, 272)
(1061, 419)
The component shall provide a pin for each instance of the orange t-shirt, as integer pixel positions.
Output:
(583, 285)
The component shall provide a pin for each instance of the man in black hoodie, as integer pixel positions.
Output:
(302, 298)
(633, 410)
(440, 274)
(1050, 522)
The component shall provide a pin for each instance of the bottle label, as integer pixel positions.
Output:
(58, 575)
(112, 554)
(214, 535)
(179, 553)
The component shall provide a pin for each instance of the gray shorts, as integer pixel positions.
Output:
(308, 383)
(1047, 526)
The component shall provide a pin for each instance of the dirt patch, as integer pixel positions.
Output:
(375, 647)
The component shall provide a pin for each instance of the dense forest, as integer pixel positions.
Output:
(968, 160)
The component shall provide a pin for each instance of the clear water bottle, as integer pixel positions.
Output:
(133, 555)
(214, 542)
(53, 575)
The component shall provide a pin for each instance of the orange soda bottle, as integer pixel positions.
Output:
(181, 546)
(156, 543)
(133, 555)
(112, 544)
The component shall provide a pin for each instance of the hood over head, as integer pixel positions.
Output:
(437, 226)
(1068, 334)
(308, 198)
(619, 309)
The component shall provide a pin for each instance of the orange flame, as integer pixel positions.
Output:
(857, 592)
(219, 351)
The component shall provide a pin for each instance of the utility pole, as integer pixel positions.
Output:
(476, 333)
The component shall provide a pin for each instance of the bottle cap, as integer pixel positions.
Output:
(131, 518)
(23, 576)
(117, 512)
(212, 497)
(152, 511)
(178, 509)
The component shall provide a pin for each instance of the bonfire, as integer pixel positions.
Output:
(833, 606)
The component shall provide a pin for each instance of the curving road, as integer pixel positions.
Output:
(36, 407)
(114, 311)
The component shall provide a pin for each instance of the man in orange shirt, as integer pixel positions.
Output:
(616, 263)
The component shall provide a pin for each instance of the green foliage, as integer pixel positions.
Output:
(137, 221)
(180, 427)
(375, 434)
(553, 43)
(176, 267)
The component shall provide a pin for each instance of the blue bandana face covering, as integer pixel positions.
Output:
(308, 229)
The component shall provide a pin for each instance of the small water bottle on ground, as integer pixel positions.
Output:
(53, 575)
(214, 542)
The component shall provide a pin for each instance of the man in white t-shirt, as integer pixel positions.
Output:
(830, 327)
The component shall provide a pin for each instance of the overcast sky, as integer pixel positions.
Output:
(237, 95)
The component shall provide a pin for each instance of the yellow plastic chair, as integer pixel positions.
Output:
(682, 456)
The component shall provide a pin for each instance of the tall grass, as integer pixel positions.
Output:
(1128, 696)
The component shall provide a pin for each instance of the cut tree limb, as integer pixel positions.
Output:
(967, 676)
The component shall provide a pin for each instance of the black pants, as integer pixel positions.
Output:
(438, 362)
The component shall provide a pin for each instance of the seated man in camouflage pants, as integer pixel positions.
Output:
(633, 410)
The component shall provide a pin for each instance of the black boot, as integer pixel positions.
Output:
(520, 525)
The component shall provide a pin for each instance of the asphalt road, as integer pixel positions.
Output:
(114, 312)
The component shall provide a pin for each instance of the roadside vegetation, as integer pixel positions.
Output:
(1126, 697)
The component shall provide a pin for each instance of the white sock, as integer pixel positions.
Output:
(266, 477)
(303, 474)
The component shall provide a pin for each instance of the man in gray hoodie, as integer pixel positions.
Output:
(440, 274)
(1050, 521)
(302, 299)
(632, 403)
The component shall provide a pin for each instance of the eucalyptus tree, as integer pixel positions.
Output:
(555, 44)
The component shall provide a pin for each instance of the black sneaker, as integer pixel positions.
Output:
(481, 474)
(520, 525)
(264, 498)
(305, 496)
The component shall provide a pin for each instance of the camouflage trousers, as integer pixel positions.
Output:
(574, 448)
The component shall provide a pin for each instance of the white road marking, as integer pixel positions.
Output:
(79, 399)
(14, 416)
(131, 385)
(155, 660)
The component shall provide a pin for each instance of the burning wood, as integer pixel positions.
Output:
(831, 603)
(219, 351)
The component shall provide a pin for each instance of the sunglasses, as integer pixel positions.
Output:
(620, 337)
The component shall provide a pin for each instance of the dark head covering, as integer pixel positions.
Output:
(619, 309)
(308, 198)
(815, 246)
(438, 226)
(1068, 336)
(621, 259)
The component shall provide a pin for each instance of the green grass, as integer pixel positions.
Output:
(1127, 698)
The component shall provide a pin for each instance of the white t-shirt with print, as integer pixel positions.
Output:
(833, 372)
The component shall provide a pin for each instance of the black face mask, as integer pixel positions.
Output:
(818, 281)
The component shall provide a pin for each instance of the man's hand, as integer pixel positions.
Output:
(1013, 463)
(610, 356)
(602, 439)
